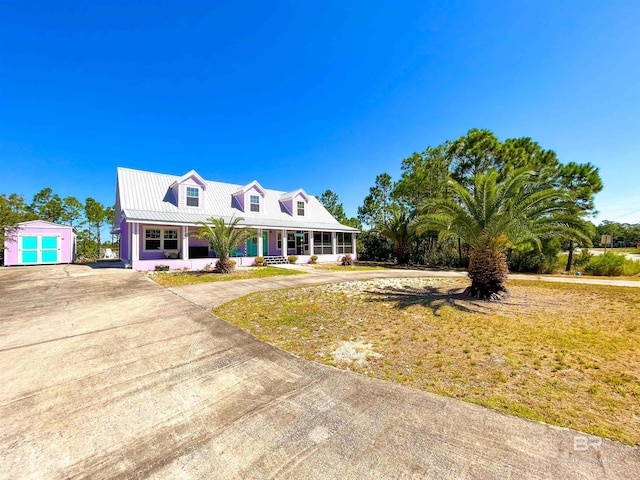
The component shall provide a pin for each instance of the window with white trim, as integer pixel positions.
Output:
(254, 202)
(279, 241)
(193, 197)
(301, 209)
(344, 242)
(291, 241)
(322, 243)
(160, 239)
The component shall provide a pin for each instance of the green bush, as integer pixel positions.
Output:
(259, 261)
(314, 259)
(582, 260)
(292, 258)
(531, 260)
(612, 265)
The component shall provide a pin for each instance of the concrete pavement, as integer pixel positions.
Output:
(107, 375)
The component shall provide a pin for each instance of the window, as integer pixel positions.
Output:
(254, 201)
(322, 243)
(170, 240)
(193, 195)
(279, 241)
(301, 209)
(344, 243)
(152, 239)
(161, 239)
(291, 241)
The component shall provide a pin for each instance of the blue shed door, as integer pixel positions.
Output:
(36, 249)
(29, 249)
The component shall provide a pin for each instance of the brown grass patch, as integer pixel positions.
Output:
(565, 354)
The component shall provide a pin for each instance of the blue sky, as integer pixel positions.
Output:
(310, 94)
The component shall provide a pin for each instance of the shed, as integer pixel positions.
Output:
(39, 242)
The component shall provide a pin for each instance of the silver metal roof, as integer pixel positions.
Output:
(147, 197)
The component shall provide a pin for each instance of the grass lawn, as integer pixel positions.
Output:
(565, 354)
(169, 279)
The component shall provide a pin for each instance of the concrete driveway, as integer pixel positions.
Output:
(107, 375)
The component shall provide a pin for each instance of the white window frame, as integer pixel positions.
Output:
(197, 196)
(343, 246)
(251, 203)
(162, 239)
(279, 241)
(300, 203)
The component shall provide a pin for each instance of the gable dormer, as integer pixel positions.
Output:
(189, 191)
(250, 198)
(296, 203)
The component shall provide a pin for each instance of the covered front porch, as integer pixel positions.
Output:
(145, 246)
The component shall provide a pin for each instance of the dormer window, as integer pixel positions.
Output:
(193, 197)
(301, 209)
(254, 201)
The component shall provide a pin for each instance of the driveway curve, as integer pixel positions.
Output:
(107, 375)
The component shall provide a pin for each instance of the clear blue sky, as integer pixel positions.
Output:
(310, 94)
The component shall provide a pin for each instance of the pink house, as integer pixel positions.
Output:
(39, 242)
(156, 216)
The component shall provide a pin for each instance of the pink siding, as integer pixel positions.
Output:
(67, 240)
(181, 193)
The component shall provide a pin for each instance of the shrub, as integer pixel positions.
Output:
(347, 260)
(292, 258)
(314, 259)
(631, 267)
(582, 260)
(161, 268)
(260, 262)
(373, 246)
(225, 266)
(609, 264)
(531, 260)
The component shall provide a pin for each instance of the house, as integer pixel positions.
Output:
(156, 217)
(39, 242)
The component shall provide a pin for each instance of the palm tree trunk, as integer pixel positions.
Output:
(488, 270)
(570, 257)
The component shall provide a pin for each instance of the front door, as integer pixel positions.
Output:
(302, 243)
(265, 243)
(252, 247)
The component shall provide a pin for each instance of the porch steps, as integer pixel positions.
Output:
(276, 260)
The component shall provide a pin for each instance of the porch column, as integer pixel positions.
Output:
(334, 246)
(260, 246)
(353, 245)
(285, 250)
(311, 242)
(135, 242)
(185, 242)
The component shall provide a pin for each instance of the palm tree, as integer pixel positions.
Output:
(224, 238)
(398, 228)
(492, 215)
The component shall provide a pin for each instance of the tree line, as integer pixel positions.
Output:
(480, 193)
(89, 218)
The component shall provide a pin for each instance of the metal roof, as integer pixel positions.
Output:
(147, 197)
